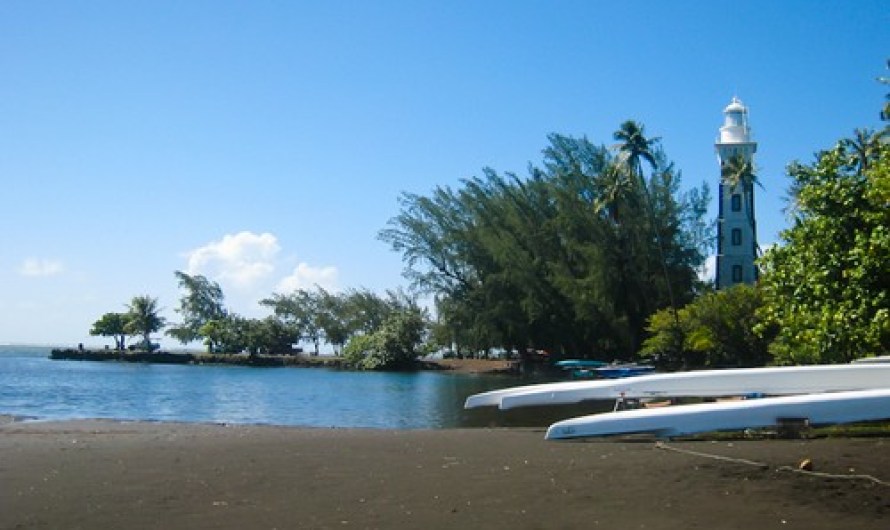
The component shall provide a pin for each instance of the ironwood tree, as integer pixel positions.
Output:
(572, 258)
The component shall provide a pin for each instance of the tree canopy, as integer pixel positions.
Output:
(827, 285)
(201, 303)
(572, 258)
(143, 318)
(316, 315)
(716, 330)
(112, 325)
(396, 344)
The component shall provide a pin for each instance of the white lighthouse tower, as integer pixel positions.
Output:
(736, 226)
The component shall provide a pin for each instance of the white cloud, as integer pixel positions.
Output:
(305, 276)
(36, 267)
(249, 267)
(242, 260)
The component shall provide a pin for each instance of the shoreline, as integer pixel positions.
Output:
(99, 473)
(461, 366)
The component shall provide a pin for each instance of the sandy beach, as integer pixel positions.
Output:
(102, 474)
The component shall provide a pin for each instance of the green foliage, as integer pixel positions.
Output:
(738, 172)
(224, 335)
(827, 287)
(232, 333)
(726, 321)
(667, 344)
(143, 318)
(359, 348)
(268, 336)
(112, 325)
(332, 318)
(572, 259)
(316, 315)
(715, 330)
(300, 311)
(635, 147)
(363, 311)
(201, 303)
(397, 344)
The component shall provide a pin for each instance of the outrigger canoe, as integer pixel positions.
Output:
(816, 409)
(772, 381)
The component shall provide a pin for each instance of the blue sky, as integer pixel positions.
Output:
(264, 144)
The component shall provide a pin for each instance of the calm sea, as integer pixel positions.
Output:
(33, 386)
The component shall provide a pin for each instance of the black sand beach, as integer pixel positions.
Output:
(99, 474)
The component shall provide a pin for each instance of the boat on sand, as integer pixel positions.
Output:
(812, 409)
(820, 394)
(772, 381)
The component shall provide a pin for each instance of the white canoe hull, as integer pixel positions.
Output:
(773, 381)
(818, 409)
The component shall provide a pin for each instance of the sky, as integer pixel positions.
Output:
(264, 144)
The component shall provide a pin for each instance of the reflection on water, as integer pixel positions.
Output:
(31, 385)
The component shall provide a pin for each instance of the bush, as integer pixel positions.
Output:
(715, 330)
(397, 344)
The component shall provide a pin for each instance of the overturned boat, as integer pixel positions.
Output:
(772, 381)
(811, 409)
(819, 394)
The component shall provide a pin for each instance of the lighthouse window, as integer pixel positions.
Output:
(736, 202)
(736, 236)
(736, 273)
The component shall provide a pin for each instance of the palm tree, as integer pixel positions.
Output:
(143, 318)
(615, 188)
(863, 148)
(738, 173)
(634, 147)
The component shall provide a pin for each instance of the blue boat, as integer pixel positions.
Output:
(616, 371)
(571, 364)
(592, 369)
(580, 368)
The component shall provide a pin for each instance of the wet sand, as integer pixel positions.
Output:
(99, 474)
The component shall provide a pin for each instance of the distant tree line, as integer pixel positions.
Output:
(393, 328)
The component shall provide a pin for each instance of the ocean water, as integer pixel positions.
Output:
(33, 386)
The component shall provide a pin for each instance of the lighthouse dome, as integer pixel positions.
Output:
(735, 123)
(735, 105)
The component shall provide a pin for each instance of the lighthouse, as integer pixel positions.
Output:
(736, 225)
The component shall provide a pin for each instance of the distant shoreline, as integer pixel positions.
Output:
(463, 366)
(162, 357)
